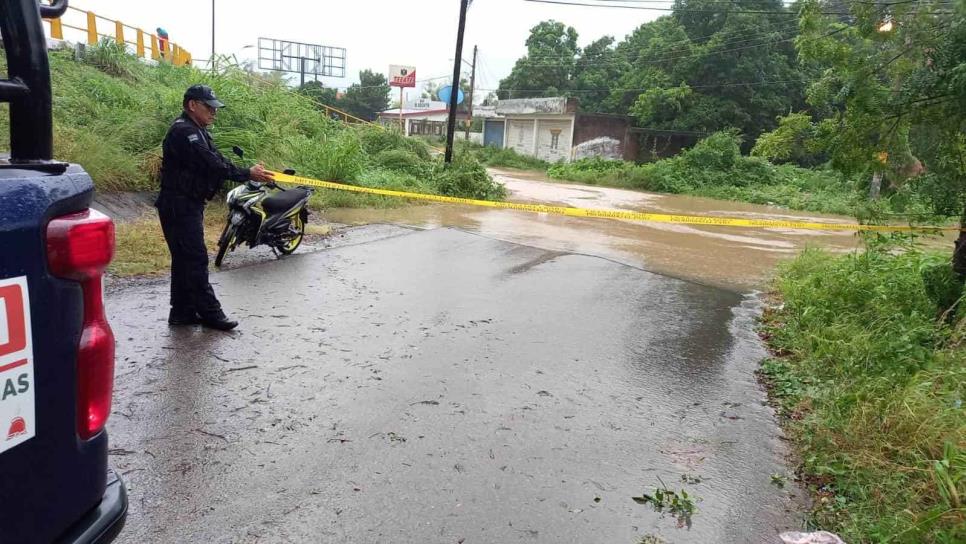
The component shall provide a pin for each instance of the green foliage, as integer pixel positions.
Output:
(507, 158)
(111, 58)
(466, 176)
(336, 158)
(894, 92)
(548, 66)
(872, 383)
(366, 98)
(668, 73)
(376, 140)
(678, 503)
(715, 168)
(793, 141)
(113, 125)
(401, 160)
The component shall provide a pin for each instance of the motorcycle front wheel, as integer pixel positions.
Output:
(226, 240)
(298, 232)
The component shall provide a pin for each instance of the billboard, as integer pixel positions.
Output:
(305, 58)
(402, 76)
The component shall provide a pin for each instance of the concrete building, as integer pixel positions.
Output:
(553, 130)
(422, 117)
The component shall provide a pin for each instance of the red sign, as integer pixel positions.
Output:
(402, 76)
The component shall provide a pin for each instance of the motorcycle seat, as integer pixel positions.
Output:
(282, 201)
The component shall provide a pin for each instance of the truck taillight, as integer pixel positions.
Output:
(79, 248)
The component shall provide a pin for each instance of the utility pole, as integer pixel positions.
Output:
(469, 103)
(455, 86)
(214, 64)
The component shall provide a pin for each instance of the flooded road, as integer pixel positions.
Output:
(738, 259)
(435, 386)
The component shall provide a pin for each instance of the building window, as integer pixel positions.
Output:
(520, 136)
(554, 138)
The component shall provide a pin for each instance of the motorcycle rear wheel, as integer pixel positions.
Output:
(298, 224)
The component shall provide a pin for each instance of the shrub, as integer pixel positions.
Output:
(466, 176)
(493, 156)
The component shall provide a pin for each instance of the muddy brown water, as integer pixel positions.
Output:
(737, 259)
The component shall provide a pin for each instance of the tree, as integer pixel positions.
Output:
(368, 97)
(595, 69)
(703, 69)
(548, 67)
(320, 93)
(896, 88)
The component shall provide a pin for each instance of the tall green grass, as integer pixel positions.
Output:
(870, 373)
(111, 113)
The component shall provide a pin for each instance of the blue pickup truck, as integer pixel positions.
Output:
(56, 346)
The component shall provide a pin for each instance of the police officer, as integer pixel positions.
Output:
(192, 171)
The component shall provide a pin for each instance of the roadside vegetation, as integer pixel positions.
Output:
(111, 113)
(715, 168)
(869, 373)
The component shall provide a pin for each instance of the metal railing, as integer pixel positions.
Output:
(346, 118)
(87, 22)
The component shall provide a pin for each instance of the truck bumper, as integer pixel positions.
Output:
(102, 524)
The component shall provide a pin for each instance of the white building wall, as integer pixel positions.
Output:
(520, 136)
(554, 140)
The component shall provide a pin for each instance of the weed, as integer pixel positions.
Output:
(678, 504)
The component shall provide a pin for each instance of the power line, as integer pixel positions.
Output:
(619, 62)
(641, 89)
(779, 27)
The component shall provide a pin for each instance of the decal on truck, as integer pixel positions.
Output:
(17, 423)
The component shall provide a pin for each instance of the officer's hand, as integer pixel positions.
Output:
(259, 174)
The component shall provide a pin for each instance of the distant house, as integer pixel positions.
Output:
(421, 117)
(553, 130)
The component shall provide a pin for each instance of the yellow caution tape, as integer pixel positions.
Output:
(608, 214)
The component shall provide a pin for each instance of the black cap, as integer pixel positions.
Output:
(203, 93)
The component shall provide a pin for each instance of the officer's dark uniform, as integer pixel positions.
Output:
(192, 171)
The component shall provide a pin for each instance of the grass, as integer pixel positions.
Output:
(869, 374)
(111, 113)
(507, 158)
(140, 247)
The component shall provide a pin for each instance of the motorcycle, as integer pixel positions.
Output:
(264, 213)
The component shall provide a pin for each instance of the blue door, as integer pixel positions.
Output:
(493, 133)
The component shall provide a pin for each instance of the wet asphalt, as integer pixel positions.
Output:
(439, 386)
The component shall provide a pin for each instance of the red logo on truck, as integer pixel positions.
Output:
(17, 427)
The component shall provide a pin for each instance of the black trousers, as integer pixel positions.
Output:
(182, 221)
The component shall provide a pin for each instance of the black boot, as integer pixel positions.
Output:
(178, 317)
(219, 322)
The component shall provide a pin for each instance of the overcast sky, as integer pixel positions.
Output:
(375, 33)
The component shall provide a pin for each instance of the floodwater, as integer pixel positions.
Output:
(435, 386)
(738, 259)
